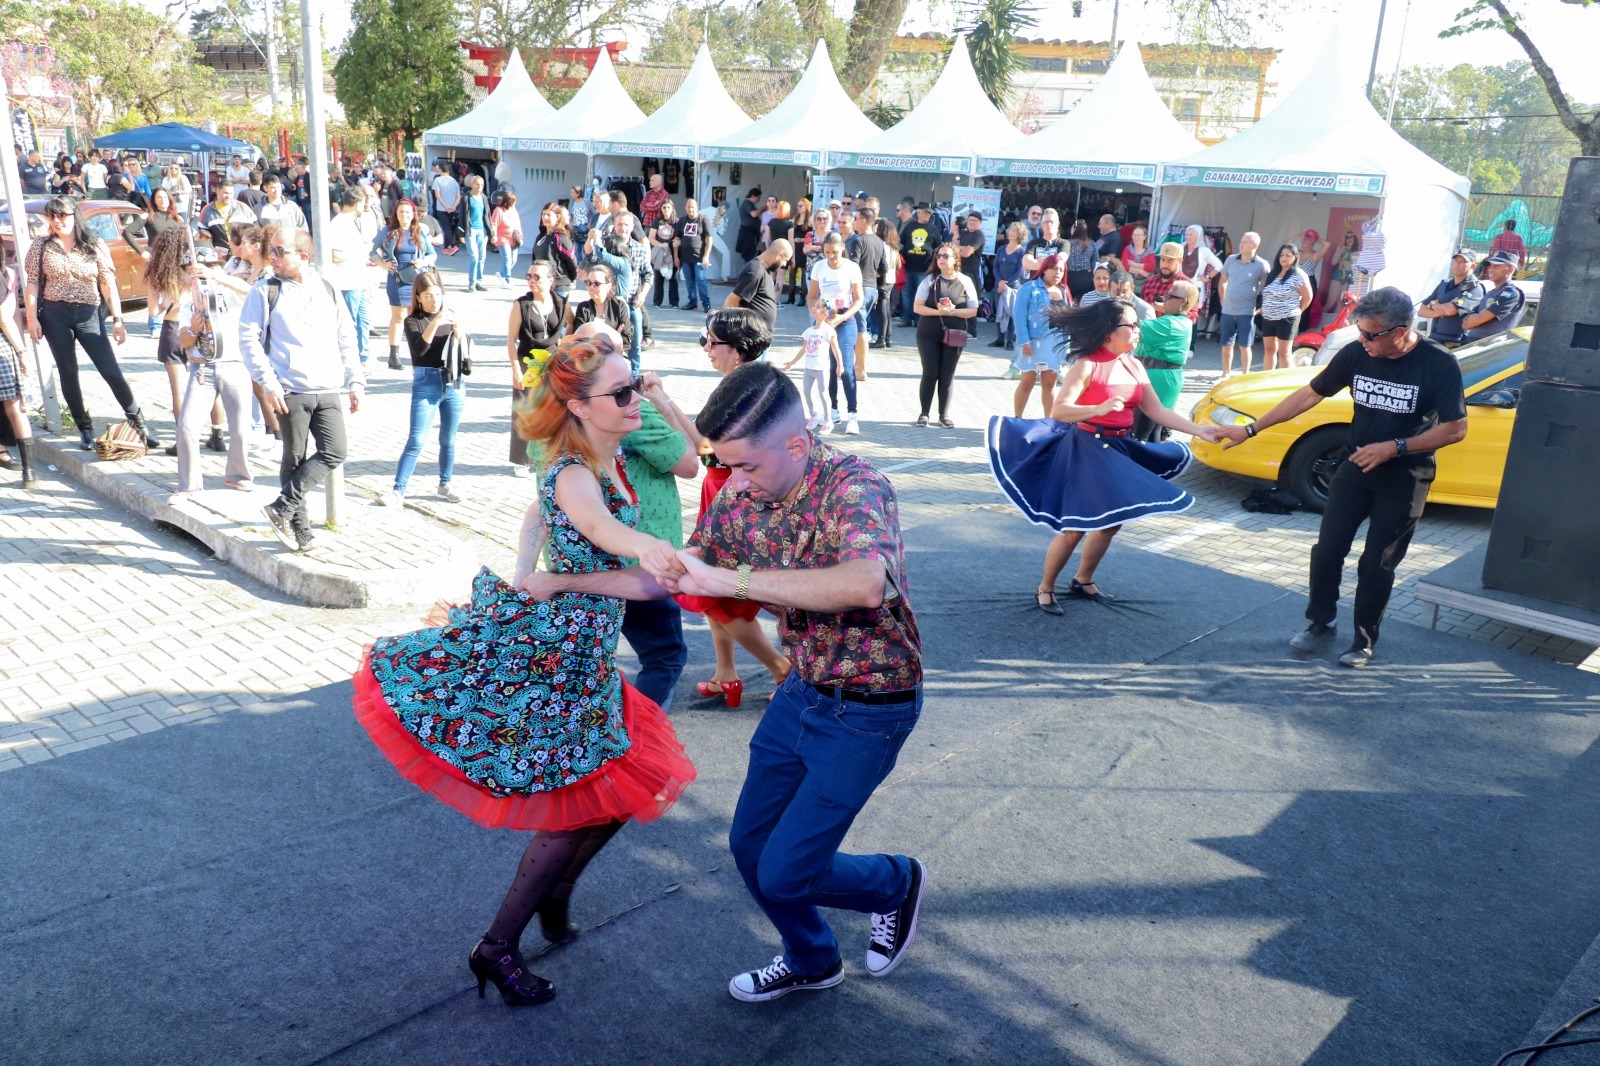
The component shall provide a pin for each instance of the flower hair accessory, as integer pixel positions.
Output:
(539, 359)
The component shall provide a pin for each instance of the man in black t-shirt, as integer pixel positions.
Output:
(1109, 244)
(866, 250)
(1049, 242)
(972, 250)
(749, 238)
(754, 287)
(1409, 403)
(919, 237)
(691, 250)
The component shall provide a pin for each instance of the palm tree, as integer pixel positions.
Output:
(994, 24)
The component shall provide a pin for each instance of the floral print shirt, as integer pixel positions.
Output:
(845, 510)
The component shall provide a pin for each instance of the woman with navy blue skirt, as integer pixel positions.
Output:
(1082, 472)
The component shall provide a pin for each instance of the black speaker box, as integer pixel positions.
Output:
(1545, 540)
(1566, 339)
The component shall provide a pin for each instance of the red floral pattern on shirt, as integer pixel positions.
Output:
(845, 510)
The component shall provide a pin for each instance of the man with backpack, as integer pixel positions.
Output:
(284, 327)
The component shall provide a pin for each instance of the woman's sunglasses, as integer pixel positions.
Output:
(623, 395)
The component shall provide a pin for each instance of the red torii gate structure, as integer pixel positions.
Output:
(494, 59)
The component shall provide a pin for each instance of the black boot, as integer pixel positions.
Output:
(215, 442)
(394, 357)
(999, 340)
(86, 435)
(136, 420)
(30, 479)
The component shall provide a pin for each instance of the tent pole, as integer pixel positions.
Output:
(16, 204)
(1377, 39)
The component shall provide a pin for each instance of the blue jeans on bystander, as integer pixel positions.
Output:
(430, 396)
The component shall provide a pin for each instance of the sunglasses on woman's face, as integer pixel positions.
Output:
(707, 339)
(594, 284)
(623, 395)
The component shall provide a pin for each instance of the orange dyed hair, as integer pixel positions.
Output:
(569, 375)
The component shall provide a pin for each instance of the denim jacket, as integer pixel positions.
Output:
(1032, 313)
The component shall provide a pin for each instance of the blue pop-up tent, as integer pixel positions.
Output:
(167, 137)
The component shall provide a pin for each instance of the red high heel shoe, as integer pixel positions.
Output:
(731, 691)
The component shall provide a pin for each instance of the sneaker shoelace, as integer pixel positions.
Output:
(883, 926)
(775, 972)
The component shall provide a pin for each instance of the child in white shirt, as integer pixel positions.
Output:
(815, 343)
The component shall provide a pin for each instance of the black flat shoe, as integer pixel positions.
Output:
(553, 923)
(1075, 588)
(518, 987)
(1046, 602)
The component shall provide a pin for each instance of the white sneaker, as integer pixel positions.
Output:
(392, 499)
(852, 426)
(446, 493)
(833, 415)
(824, 427)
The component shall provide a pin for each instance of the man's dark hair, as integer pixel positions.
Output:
(908, 201)
(975, 214)
(748, 404)
(1511, 224)
(1387, 306)
(253, 179)
(353, 198)
(270, 179)
(742, 330)
(867, 215)
(755, 190)
(618, 197)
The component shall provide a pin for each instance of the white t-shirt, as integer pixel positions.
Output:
(818, 350)
(94, 175)
(344, 235)
(240, 176)
(834, 283)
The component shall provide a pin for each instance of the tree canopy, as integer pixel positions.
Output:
(401, 71)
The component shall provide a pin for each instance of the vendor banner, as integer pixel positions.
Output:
(967, 199)
(451, 140)
(922, 164)
(1139, 173)
(782, 157)
(540, 144)
(643, 149)
(1284, 180)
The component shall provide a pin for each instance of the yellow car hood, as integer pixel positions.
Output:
(1256, 394)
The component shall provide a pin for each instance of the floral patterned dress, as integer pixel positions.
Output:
(513, 711)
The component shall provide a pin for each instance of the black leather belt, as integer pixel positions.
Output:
(856, 695)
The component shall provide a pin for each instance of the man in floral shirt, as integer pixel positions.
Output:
(813, 535)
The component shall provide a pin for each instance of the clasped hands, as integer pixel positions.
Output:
(682, 570)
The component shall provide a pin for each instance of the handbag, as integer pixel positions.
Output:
(120, 441)
(953, 338)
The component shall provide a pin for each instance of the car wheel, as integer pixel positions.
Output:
(1302, 356)
(1311, 464)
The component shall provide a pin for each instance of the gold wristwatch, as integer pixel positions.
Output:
(741, 590)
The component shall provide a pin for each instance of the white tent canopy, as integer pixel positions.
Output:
(700, 110)
(1321, 152)
(598, 109)
(952, 123)
(1093, 141)
(514, 99)
(816, 116)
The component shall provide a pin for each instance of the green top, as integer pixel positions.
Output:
(652, 451)
(1166, 338)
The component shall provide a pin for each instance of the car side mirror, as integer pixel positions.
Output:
(1505, 399)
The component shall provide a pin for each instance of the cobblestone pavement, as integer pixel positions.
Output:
(117, 626)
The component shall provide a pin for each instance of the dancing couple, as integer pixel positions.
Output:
(514, 713)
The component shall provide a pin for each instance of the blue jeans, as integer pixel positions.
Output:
(654, 629)
(355, 301)
(869, 304)
(429, 395)
(695, 287)
(508, 262)
(907, 302)
(1240, 329)
(636, 316)
(477, 251)
(814, 762)
(847, 353)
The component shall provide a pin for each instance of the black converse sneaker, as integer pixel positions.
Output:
(892, 933)
(776, 980)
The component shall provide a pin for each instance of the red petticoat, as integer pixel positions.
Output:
(716, 608)
(639, 785)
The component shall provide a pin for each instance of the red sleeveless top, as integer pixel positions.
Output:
(1111, 375)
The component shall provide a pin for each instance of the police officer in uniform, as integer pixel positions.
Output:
(1409, 403)
(1453, 299)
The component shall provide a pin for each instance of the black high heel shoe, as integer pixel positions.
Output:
(553, 923)
(1077, 588)
(518, 987)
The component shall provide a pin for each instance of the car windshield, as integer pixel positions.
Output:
(1491, 357)
(36, 223)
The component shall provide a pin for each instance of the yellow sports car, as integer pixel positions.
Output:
(1301, 455)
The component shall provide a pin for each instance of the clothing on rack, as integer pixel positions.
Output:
(1371, 258)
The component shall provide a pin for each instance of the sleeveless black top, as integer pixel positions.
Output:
(537, 330)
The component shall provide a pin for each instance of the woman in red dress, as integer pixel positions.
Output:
(513, 711)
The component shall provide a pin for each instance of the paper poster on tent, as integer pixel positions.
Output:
(986, 202)
(825, 188)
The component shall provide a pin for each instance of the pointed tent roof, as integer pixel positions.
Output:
(1323, 137)
(817, 114)
(700, 110)
(599, 108)
(1092, 140)
(952, 123)
(513, 99)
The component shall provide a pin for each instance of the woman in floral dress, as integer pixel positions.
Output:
(512, 711)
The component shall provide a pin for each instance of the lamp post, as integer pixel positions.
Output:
(317, 163)
(1377, 39)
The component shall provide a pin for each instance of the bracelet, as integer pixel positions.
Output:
(1250, 430)
(741, 590)
(1400, 447)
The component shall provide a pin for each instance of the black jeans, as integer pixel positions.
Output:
(672, 288)
(67, 323)
(312, 416)
(1391, 501)
(447, 227)
(938, 364)
(654, 629)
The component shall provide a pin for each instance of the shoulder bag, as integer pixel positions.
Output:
(953, 338)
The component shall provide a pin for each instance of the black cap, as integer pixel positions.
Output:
(922, 206)
(1504, 258)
